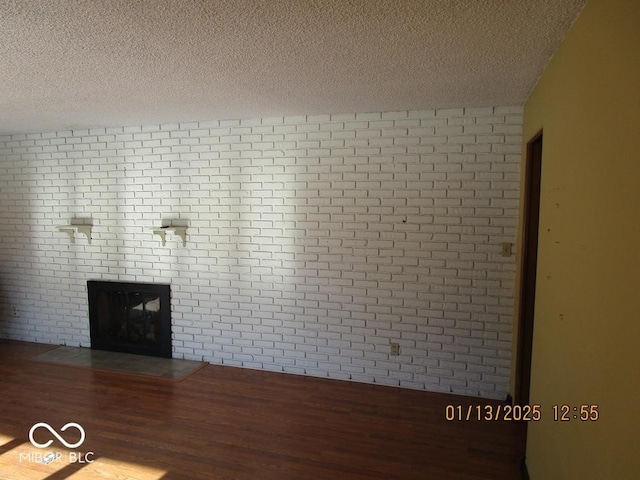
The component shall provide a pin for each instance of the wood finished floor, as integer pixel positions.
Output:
(231, 423)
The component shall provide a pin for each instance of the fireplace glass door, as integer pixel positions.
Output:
(130, 317)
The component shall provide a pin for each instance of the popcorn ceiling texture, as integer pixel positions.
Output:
(88, 64)
(313, 242)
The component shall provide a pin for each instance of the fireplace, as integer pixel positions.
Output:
(130, 317)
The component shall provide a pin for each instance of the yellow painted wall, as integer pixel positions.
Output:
(587, 321)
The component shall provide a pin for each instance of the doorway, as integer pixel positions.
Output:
(529, 263)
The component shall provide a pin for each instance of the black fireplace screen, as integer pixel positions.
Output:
(130, 317)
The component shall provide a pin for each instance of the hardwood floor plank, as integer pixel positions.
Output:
(231, 423)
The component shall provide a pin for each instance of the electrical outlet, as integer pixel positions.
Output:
(506, 249)
(14, 311)
(395, 349)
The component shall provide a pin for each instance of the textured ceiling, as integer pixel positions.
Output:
(90, 63)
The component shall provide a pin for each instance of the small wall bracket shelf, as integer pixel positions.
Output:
(76, 228)
(176, 230)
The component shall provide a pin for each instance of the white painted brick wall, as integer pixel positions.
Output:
(313, 241)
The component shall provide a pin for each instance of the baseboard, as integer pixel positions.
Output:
(524, 473)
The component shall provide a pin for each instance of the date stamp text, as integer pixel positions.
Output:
(518, 413)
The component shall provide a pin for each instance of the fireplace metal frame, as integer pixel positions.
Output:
(101, 341)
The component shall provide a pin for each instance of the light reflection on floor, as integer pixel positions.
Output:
(24, 462)
(109, 468)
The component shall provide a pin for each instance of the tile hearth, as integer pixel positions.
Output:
(170, 368)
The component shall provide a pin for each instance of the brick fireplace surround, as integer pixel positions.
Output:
(312, 242)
